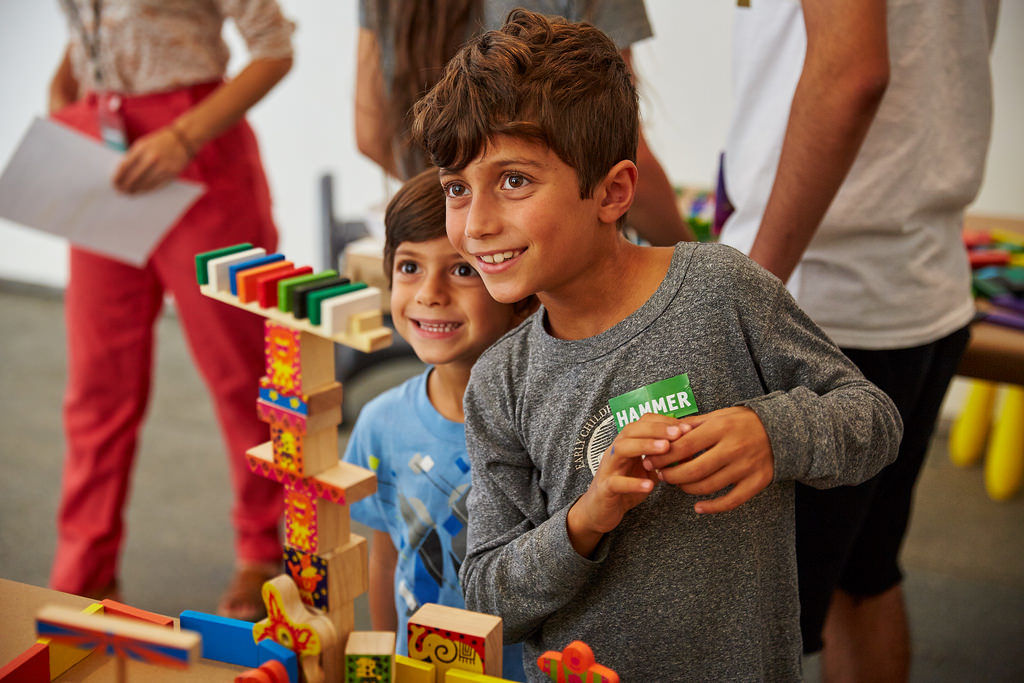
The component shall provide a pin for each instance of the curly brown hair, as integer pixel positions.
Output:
(561, 84)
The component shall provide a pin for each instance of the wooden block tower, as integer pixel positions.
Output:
(300, 400)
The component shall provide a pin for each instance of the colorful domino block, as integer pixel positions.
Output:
(460, 676)
(409, 670)
(204, 258)
(266, 287)
(237, 268)
(114, 608)
(31, 666)
(317, 298)
(338, 311)
(437, 631)
(224, 639)
(301, 293)
(219, 268)
(249, 279)
(287, 286)
(271, 651)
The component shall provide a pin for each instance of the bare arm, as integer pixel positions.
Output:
(372, 136)
(63, 85)
(845, 74)
(655, 213)
(161, 155)
(383, 558)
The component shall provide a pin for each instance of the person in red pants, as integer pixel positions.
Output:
(152, 79)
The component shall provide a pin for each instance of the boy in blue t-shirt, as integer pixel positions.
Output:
(413, 436)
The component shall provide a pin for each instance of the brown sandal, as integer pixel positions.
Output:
(242, 599)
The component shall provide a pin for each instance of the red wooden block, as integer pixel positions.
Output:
(248, 280)
(976, 238)
(31, 666)
(269, 672)
(266, 286)
(114, 608)
(980, 258)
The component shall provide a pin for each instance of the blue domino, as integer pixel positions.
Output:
(224, 639)
(268, 650)
(234, 270)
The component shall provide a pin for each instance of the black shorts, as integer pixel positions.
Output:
(849, 537)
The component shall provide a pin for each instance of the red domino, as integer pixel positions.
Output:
(267, 286)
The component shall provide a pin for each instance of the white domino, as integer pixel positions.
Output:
(336, 311)
(217, 269)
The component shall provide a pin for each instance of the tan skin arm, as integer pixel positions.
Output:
(655, 213)
(160, 156)
(63, 85)
(845, 74)
(370, 108)
(383, 558)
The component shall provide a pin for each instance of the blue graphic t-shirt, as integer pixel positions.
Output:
(423, 480)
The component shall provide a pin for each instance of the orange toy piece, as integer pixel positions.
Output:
(575, 663)
(269, 672)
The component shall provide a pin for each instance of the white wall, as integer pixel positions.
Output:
(305, 124)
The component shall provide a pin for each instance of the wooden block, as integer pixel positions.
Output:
(456, 638)
(322, 399)
(364, 262)
(270, 651)
(31, 666)
(270, 672)
(218, 268)
(337, 311)
(300, 295)
(224, 639)
(302, 445)
(370, 657)
(313, 524)
(119, 636)
(344, 483)
(266, 286)
(329, 581)
(117, 609)
(575, 663)
(309, 635)
(297, 362)
(236, 269)
(287, 286)
(248, 281)
(409, 670)
(317, 298)
(204, 258)
(460, 676)
(62, 656)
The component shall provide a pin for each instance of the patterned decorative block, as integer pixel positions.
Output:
(370, 657)
(296, 362)
(456, 638)
(313, 524)
(343, 483)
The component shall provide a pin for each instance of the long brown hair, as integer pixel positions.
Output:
(427, 33)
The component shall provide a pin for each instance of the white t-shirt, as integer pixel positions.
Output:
(886, 268)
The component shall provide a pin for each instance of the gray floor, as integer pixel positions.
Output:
(964, 556)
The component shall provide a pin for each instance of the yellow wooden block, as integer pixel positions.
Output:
(459, 676)
(63, 657)
(409, 670)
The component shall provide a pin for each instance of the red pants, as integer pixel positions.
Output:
(111, 309)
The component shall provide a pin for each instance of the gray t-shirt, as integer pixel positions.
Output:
(669, 594)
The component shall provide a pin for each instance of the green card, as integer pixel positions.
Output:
(672, 396)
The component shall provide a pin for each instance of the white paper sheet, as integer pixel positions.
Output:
(59, 181)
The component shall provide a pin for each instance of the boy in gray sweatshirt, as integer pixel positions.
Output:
(635, 442)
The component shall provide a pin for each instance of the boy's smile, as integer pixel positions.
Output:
(440, 305)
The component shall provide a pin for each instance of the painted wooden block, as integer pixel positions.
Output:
(270, 672)
(409, 670)
(236, 269)
(296, 362)
(312, 524)
(63, 657)
(328, 581)
(575, 664)
(119, 636)
(300, 295)
(114, 608)
(204, 258)
(266, 287)
(270, 651)
(460, 676)
(31, 666)
(248, 290)
(224, 639)
(338, 311)
(456, 638)
(344, 483)
(296, 447)
(218, 268)
(370, 657)
(317, 298)
(287, 286)
(309, 635)
(319, 400)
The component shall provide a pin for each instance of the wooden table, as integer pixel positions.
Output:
(19, 603)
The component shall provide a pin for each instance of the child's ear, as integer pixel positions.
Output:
(524, 308)
(616, 191)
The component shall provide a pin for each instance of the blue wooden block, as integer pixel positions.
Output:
(224, 639)
(234, 270)
(268, 650)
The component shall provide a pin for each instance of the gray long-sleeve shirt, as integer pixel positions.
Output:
(668, 595)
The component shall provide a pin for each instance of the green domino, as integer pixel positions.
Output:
(317, 298)
(672, 397)
(203, 258)
(285, 287)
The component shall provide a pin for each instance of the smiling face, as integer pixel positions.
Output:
(440, 306)
(516, 215)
